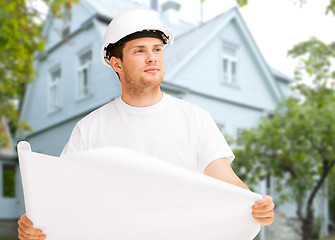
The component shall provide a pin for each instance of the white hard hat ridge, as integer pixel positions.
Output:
(131, 21)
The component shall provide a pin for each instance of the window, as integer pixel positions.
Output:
(229, 64)
(239, 132)
(8, 180)
(66, 22)
(54, 101)
(84, 74)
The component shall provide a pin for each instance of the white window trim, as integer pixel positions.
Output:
(231, 59)
(57, 106)
(66, 24)
(80, 68)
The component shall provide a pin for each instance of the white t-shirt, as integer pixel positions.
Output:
(172, 130)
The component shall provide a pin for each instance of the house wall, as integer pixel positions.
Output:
(52, 140)
(204, 73)
(11, 207)
(231, 116)
(105, 84)
(53, 31)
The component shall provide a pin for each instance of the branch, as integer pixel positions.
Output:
(326, 169)
(289, 169)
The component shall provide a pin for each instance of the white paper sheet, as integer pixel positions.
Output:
(119, 194)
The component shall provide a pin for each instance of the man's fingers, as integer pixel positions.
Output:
(264, 221)
(26, 221)
(265, 201)
(263, 208)
(263, 214)
(25, 236)
(27, 232)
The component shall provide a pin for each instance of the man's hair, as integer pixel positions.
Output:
(116, 51)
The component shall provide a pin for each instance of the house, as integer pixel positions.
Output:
(11, 198)
(216, 65)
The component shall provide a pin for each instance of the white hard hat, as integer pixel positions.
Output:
(129, 22)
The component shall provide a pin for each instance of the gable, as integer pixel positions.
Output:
(54, 27)
(198, 64)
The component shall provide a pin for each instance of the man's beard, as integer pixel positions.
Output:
(143, 87)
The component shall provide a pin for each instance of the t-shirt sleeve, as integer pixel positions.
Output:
(211, 144)
(75, 143)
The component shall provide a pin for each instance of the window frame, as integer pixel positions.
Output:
(80, 86)
(227, 77)
(56, 97)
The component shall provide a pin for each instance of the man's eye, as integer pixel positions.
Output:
(158, 50)
(139, 51)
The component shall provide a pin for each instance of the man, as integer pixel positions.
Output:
(147, 120)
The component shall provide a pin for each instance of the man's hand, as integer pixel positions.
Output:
(262, 210)
(27, 230)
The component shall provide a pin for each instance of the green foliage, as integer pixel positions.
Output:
(289, 145)
(316, 61)
(296, 144)
(331, 195)
(242, 3)
(20, 37)
(316, 232)
(331, 7)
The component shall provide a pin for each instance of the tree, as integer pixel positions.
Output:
(296, 144)
(21, 37)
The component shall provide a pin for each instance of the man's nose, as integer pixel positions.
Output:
(151, 57)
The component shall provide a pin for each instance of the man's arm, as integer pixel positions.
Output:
(262, 210)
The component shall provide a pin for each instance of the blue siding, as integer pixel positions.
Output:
(105, 84)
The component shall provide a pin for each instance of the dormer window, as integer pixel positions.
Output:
(66, 23)
(229, 64)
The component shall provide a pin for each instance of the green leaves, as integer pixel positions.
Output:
(292, 145)
(316, 58)
(331, 7)
(20, 37)
(242, 3)
(296, 144)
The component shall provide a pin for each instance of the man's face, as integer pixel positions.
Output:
(142, 65)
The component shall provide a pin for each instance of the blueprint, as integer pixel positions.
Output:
(117, 193)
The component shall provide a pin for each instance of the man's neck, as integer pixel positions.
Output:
(144, 100)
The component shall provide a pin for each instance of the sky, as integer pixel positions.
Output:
(276, 25)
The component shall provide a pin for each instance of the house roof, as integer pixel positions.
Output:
(107, 10)
(281, 76)
(186, 44)
(190, 42)
(110, 9)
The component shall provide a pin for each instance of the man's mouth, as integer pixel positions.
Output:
(151, 70)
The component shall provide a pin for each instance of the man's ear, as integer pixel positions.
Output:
(116, 64)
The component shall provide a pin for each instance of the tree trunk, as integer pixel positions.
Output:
(307, 224)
